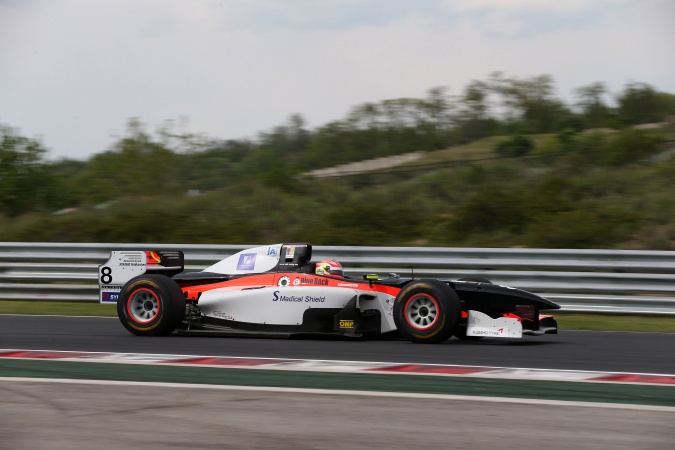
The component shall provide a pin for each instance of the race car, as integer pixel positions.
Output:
(277, 289)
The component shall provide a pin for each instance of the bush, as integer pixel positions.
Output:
(582, 228)
(630, 146)
(517, 145)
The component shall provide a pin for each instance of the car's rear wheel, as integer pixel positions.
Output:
(151, 305)
(427, 311)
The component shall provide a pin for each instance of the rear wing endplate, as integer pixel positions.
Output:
(125, 265)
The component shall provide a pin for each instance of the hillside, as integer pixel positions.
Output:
(503, 164)
(463, 196)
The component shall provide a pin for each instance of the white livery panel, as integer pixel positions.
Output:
(479, 324)
(271, 305)
(120, 268)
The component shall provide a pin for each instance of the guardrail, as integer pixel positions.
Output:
(600, 281)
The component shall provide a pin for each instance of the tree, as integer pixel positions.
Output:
(530, 102)
(641, 103)
(136, 165)
(25, 184)
(473, 117)
(287, 139)
(594, 111)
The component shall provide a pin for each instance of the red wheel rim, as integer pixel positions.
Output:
(143, 306)
(421, 311)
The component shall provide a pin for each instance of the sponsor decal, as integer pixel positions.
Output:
(290, 252)
(132, 260)
(296, 282)
(314, 281)
(272, 251)
(222, 315)
(346, 324)
(113, 288)
(110, 297)
(390, 303)
(284, 281)
(486, 332)
(246, 261)
(279, 297)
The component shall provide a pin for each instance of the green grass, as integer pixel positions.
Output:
(566, 321)
(476, 150)
(610, 322)
(57, 308)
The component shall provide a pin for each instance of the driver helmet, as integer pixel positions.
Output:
(329, 267)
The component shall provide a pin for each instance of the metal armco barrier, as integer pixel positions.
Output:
(600, 281)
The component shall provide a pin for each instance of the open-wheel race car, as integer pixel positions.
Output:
(277, 289)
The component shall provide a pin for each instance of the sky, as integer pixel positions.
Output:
(73, 72)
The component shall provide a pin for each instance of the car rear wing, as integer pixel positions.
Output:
(122, 266)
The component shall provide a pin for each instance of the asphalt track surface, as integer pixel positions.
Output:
(569, 350)
(89, 414)
(37, 415)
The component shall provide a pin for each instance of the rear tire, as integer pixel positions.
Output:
(427, 311)
(151, 305)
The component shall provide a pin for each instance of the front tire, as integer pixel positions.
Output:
(427, 311)
(151, 305)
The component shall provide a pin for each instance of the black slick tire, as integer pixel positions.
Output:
(427, 311)
(151, 305)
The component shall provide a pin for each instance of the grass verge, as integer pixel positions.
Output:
(57, 308)
(615, 322)
(566, 321)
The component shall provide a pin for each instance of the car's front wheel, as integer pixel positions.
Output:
(151, 305)
(427, 311)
